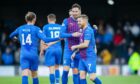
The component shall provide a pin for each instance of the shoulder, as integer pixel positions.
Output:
(45, 26)
(89, 30)
(36, 28)
(65, 21)
(21, 27)
(58, 25)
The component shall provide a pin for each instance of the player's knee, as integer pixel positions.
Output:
(56, 67)
(25, 72)
(66, 68)
(51, 68)
(34, 74)
(82, 76)
(92, 77)
(75, 71)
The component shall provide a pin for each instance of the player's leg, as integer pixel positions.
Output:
(25, 70)
(91, 69)
(58, 56)
(34, 67)
(34, 77)
(52, 76)
(50, 62)
(25, 74)
(66, 68)
(95, 79)
(83, 77)
(82, 70)
(76, 77)
(57, 74)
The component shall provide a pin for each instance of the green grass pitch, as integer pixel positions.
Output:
(105, 80)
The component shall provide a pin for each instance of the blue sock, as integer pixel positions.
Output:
(35, 81)
(83, 81)
(76, 79)
(52, 79)
(57, 76)
(97, 81)
(24, 79)
(65, 77)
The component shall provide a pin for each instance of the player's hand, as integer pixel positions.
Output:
(15, 39)
(41, 53)
(61, 39)
(73, 56)
(95, 26)
(45, 46)
(76, 34)
(73, 48)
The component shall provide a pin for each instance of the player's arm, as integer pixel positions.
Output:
(64, 34)
(13, 34)
(51, 43)
(74, 54)
(43, 46)
(95, 28)
(85, 44)
(81, 45)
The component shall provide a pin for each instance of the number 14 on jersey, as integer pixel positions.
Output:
(26, 40)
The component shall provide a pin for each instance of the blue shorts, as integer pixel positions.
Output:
(87, 65)
(71, 63)
(29, 62)
(67, 59)
(53, 56)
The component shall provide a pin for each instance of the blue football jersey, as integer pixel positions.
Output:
(88, 34)
(53, 31)
(29, 36)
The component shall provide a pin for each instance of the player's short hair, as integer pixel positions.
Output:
(84, 16)
(30, 16)
(51, 16)
(76, 6)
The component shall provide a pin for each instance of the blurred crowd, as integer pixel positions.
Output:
(115, 43)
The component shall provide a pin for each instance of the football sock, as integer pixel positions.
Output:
(57, 76)
(52, 79)
(24, 79)
(65, 77)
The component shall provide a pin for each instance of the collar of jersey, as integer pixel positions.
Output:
(85, 28)
(29, 24)
(73, 18)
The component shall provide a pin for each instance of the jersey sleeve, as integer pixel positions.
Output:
(14, 33)
(64, 33)
(87, 35)
(95, 29)
(43, 37)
